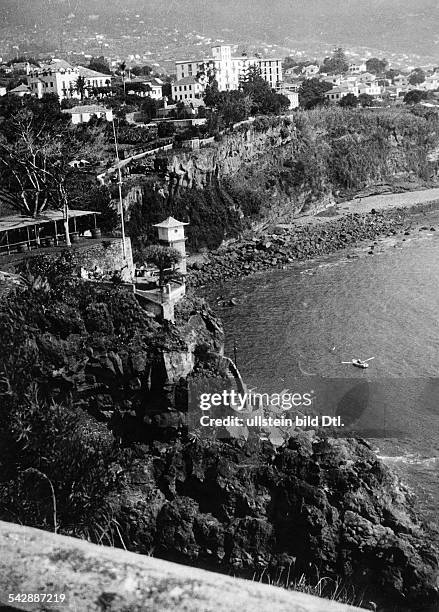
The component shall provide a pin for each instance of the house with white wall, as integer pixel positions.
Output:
(371, 89)
(145, 87)
(338, 93)
(83, 113)
(431, 82)
(188, 89)
(60, 77)
(310, 71)
(21, 91)
(290, 93)
(366, 77)
(401, 81)
(357, 68)
(332, 79)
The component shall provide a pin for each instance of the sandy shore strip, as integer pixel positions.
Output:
(362, 205)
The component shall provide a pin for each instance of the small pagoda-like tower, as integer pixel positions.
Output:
(171, 234)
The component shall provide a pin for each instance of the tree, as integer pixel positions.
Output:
(149, 108)
(122, 70)
(99, 64)
(312, 93)
(417, 76)
(34, 160)
(141, 70)
(80, 86)
(206, 73)
(414, 96)
(376, 66)
(165, 129)
(336, 63)
(391, 74)
(349, 101)
(289, 62)
(365, 100)
(164, 258)
(259, 96)
(138, 88)
(211, 94)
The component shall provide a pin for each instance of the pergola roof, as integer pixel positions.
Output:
(14, 222)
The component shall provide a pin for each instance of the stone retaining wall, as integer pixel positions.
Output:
(96, 578)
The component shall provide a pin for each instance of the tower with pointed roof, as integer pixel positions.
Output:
(171, 234)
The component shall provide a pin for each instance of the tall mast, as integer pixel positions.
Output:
(122, 221)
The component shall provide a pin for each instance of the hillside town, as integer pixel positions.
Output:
(333, 79)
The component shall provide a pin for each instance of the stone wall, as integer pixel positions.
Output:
(96, 578)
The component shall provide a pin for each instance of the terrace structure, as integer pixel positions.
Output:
(23, 237)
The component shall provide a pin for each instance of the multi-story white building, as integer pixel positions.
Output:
(357, 68)
(228, 69)
(371, 89)
(60, 78)
(187, 89)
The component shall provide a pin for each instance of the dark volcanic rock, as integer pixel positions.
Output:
(318, 506)
(271, 250)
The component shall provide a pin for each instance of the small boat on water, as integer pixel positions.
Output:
(360, 364)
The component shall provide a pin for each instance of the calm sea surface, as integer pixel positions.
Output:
(307, 320)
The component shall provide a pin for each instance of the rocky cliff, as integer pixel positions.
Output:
(93, 444)
(274, 168)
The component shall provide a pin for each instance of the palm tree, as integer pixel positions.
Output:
(80, 86)
(122, 69)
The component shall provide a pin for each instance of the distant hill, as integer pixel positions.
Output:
(407, 26)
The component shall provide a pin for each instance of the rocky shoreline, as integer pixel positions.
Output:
(285, 246)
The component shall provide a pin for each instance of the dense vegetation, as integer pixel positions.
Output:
(78, 362)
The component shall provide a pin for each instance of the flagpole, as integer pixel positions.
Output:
(122, 221)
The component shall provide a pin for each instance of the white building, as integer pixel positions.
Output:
(83, 113)
(401, 80)
(333, 79)
(60, 78)
(366, 77)
(310, 71)
(171, 234)
(357, 68)
(337, 93)
(431, 82)
(371, 89)
(229, 70)
(291, 94)
(145, 87)
(21, 90)
(187, 89)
